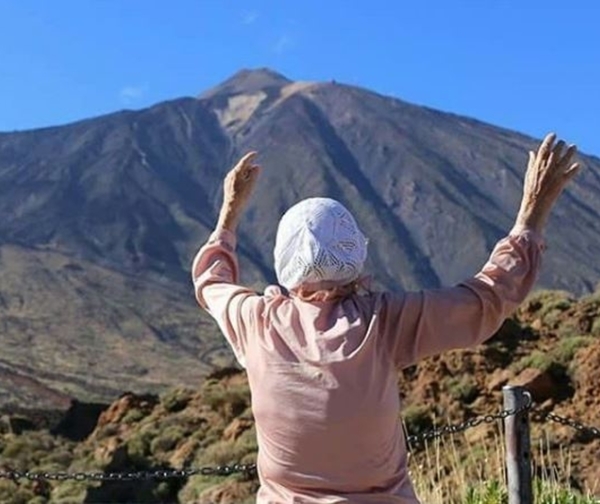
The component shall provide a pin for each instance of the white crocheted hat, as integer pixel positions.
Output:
(318, 241)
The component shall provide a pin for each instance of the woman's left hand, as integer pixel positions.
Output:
(237, 188)
(549, 171)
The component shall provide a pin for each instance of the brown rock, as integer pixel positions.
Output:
(498, 379)
(184, 453)
(235, 429)
(539, 383)
(226, 493)
(537, 324)
(128, 401)
(112, 454)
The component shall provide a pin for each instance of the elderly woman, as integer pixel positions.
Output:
(322, 357)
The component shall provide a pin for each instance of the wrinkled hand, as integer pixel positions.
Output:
(237, 188)
(548, 172)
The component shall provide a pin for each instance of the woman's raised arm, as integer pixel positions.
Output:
(421, 324)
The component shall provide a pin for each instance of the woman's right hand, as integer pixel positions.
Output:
(237, 188)
(548, 172)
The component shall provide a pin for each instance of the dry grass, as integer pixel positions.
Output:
(461, 469)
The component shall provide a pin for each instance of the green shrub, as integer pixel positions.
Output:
(167, 439)
(38, 499)
(557, 358)
(548, 492)
(61, 458)
(462, 388)
(543, 302)
(595, 330)
(227, 402)
(197, 485)
(14, 447)
(69, 492)
(138, 448)
(495, 492)
(224, 452)
(536, 359)
(176, 400)
(28, 450)
(11, 493)
(417, 418)
(134, 415)
(489, 492)
(567, 347)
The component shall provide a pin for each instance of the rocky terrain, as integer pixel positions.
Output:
(551, 346)
(101, 220)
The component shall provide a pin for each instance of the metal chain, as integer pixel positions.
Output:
(592, 432)
(223, 470)
(467, 424)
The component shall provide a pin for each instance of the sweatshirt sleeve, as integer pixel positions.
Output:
(215, 274)
(429, 322)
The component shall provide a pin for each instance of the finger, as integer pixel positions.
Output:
(250, 169)
(550, 160)
(247, 158)
(568, 157)
(570, 175)
(546, 145)
(251, 172)
(572, 171)
(557, 150)
(531, 158)
(255, 170)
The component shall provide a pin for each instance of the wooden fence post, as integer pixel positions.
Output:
(518, 446)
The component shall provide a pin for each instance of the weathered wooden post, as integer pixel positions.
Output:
(518, 446)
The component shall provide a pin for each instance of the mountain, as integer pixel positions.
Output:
(103, 217)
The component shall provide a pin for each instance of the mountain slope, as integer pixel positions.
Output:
(103, 217)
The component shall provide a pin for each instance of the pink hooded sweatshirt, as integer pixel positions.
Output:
(323, 374)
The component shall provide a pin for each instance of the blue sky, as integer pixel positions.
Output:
(531, 66)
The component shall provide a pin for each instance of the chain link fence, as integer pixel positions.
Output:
(249, 470)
